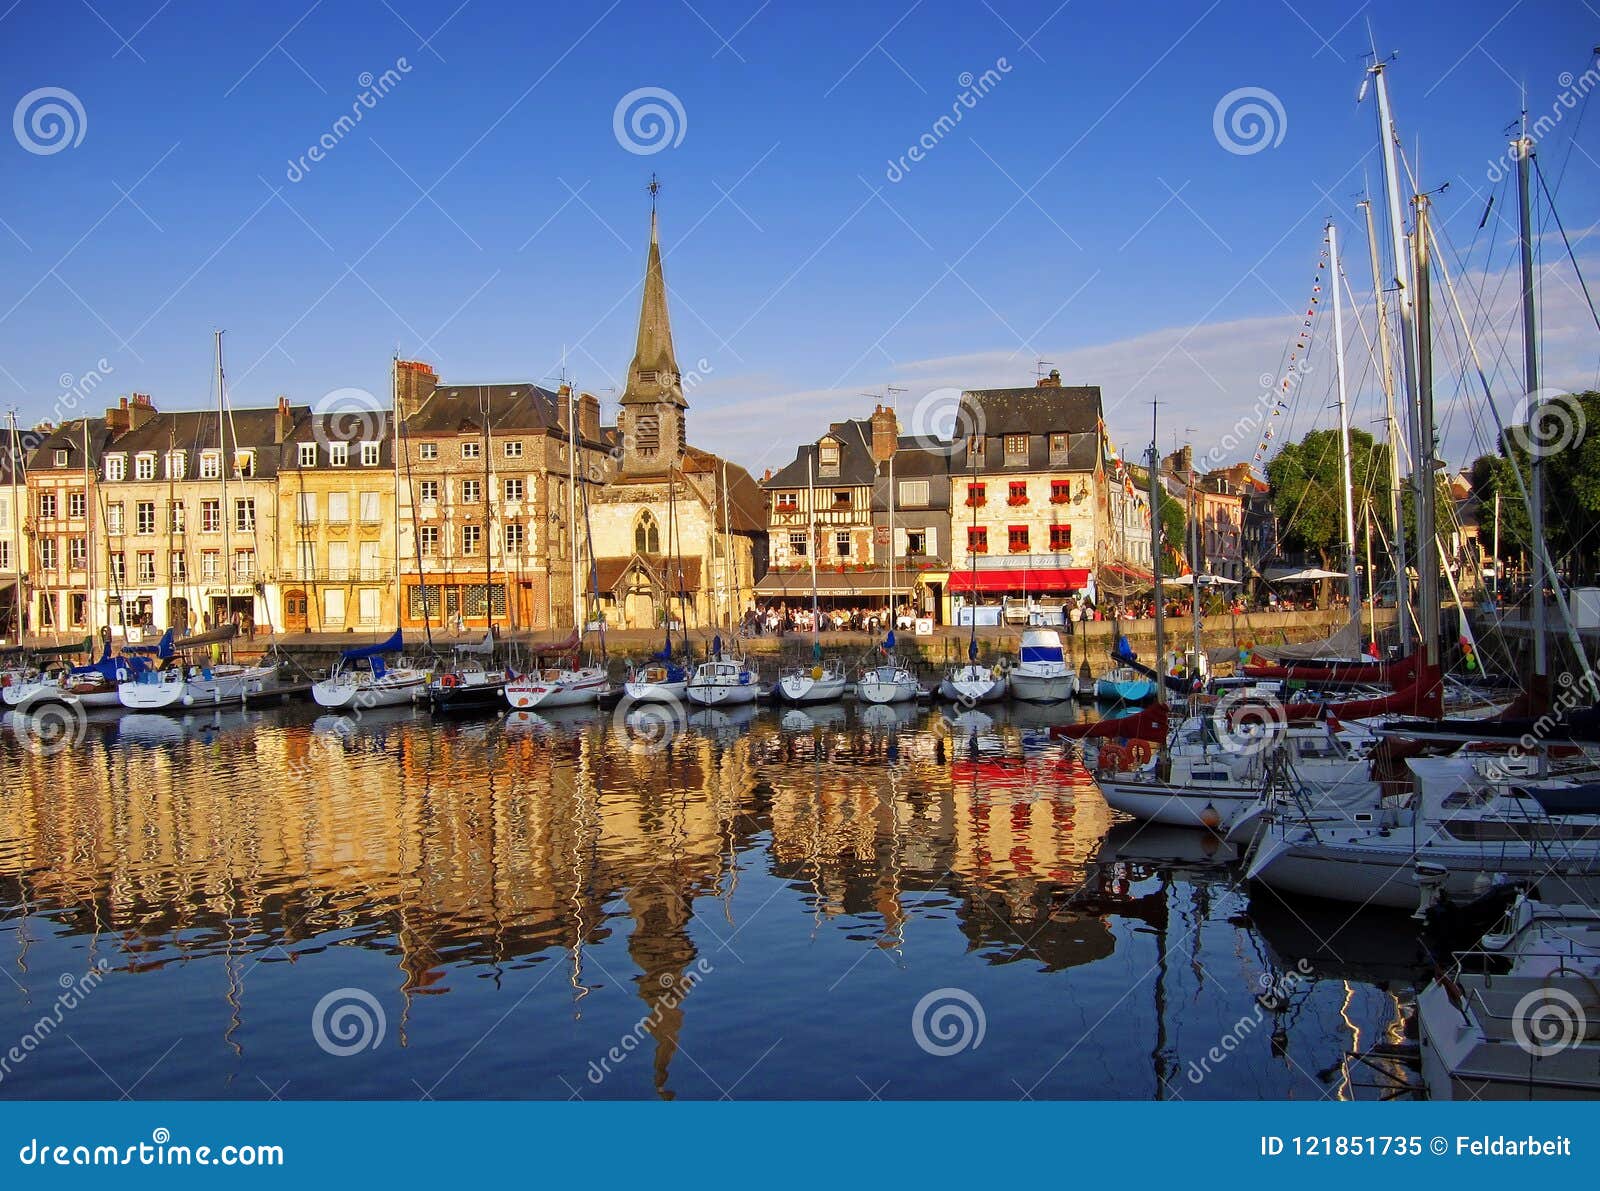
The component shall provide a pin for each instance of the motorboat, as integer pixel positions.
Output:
(723, 681)
(354, 686)
(1518, 1016)
(1042, 676)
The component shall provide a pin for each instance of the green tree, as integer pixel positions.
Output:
(1307, 495)
(1174, 523)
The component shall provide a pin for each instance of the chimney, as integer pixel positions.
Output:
(1053, 381)
(885, 434)
(414, 384)
(283, 421)
(589, 417)
(140, 410)
(117, 420)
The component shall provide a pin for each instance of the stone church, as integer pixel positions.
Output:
(667, 544)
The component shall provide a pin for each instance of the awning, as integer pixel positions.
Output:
(794, 585)
(1033, 580)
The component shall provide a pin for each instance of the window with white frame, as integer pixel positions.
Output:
(514, 537)
(76, 504)
(367, 605)
(307, 552)
(428, 492)
(306, 510)
(178, 464)
(471, 448)
(308, 454)
(47, 554)
(244, 515)
(338, 454)
(369, 454)
(428, 450)
(211, 564)
(913, 493)
(116, 468)
(470, 535)
(471, 491)
(244, 463)
(114, 517)
(244, 564)
(176, 521)
(47, 506)
(178, 566)
(338, 560)
(513, 489)
(61, 458)
(210, 465)
(144, 517)
(210, 516)
(428, 539)
(333, 606)
(513, 448)
(147, 566)
(77, 552)
(371, 508)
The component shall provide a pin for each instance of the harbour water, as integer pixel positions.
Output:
(831, 902)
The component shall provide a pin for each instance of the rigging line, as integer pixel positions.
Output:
(1577, 126)
(1556, 215)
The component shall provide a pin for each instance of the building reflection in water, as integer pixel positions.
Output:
(475, 848)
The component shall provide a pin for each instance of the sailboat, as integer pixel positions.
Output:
(567, 684)
(972, 683)
(174, 685)
(722, 680)
(890, 680)
(663, 680)
(822, 681)
(350, 686)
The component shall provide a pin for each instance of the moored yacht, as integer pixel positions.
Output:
(724, 680)
(1042, 676)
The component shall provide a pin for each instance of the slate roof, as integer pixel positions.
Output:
(856, 465)
(1038, 413)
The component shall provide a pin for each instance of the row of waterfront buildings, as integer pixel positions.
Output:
(509, 505)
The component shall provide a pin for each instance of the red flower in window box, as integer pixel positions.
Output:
(974, 502)
(1059, 496)
(1016, 501)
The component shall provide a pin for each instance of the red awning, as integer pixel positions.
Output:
(1033, 580)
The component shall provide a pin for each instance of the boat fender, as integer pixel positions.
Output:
(816, 673)
(1139, 753)
(1210, 818)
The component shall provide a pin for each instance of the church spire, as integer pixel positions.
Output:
(653, 377)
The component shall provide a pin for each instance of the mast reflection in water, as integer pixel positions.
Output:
(827, 902)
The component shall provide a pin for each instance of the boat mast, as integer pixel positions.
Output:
(88, 544)
(227, 513)
(1155, 558)
(1523, 148)
(1427, 447)
(572, 497)
(1194, 534)
(730, 572)
(16, 524)
(891, 528)
(1352, 583)
(1408, 344)
(816, 545)
(1396, 443)
(394, 452)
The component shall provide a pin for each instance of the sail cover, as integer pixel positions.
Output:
(393, 644)
(1346, 643)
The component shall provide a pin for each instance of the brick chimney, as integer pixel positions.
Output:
(885, 434)
(140, 410)
(589, 417)
(414, 384)
(283, 421)
(117, 419)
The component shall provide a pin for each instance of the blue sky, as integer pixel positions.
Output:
(484, 216)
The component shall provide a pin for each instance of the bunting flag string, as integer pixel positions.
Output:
(1302, 341)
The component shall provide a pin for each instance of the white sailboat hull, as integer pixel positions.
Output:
(973, 684)
(153, 696)
(530, 694)
(1040, 687)
(394, 689)
(723, 694)
(1179, 806)
(656, 692)
(803, 688)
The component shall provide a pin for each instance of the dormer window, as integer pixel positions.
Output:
(338, 454)
(210, 465)
(244, 464)
(828, 458)
(308, 454)
(61, 458)
(1016, 448)
(144, 466)
(177, 464)
(116, 467)
(975, 448)
(369, 454)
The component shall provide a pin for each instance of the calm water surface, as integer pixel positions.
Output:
(757, 904)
